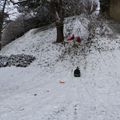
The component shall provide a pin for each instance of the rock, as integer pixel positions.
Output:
(20, 60)
(3, 61)
(35, 94)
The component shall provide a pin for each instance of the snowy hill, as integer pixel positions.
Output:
(35, 92)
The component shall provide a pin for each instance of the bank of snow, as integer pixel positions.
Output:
(35, 93)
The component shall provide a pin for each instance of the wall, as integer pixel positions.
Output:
(115, 9)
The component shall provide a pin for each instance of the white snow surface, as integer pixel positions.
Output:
(35, 93)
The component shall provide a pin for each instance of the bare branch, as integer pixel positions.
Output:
(15, 3)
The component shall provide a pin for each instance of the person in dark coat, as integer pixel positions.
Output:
(77, 72)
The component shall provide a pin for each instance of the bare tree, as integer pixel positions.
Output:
(57, 11)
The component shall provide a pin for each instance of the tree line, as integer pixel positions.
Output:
(55, 10)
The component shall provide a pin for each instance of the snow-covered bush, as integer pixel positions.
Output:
(98, 27)
(77, 26)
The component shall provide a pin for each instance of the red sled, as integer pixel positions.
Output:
(69, 38)
(78, 39)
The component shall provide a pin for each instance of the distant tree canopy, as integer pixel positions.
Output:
(56, 10)
(37, 13)
(70, 7)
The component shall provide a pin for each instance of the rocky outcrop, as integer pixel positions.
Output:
(20, 60)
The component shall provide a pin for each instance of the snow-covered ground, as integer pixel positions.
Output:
(35, 93)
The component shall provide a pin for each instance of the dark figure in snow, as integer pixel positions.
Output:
(77, 72)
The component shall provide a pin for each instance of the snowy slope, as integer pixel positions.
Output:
(34, 93)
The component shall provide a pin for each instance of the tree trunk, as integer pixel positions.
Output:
(1, 22)
(59, 22)
(0, 39)
(57, 11)
(60, 35)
